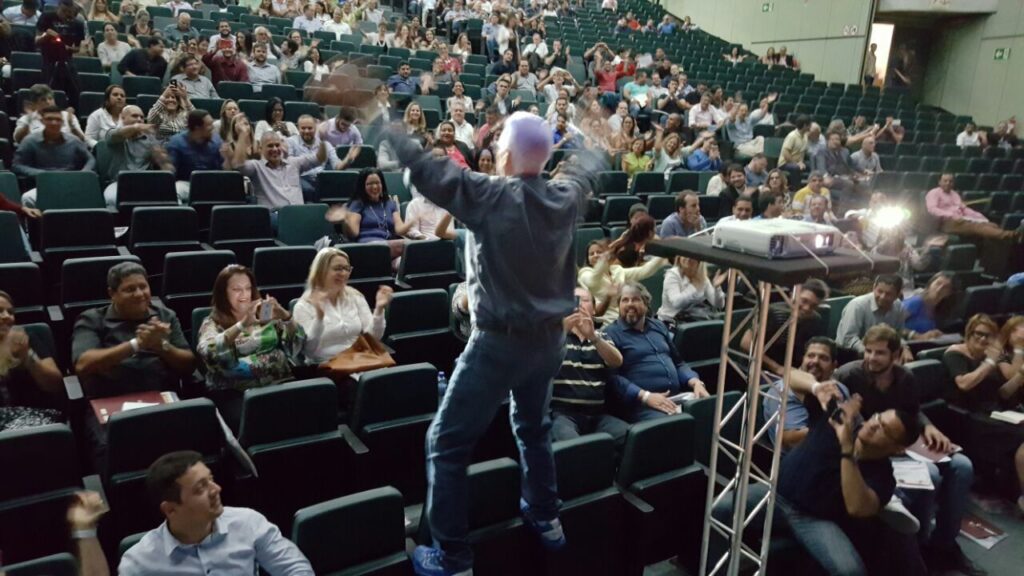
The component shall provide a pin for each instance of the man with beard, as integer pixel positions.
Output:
(308, 142)
(884, 385)
(810, 326)
(736, 185)
(261, 71)
(200, 535)
(686, 220)
(880, 306)
(651, 370)
(520, 289)
(819, 361)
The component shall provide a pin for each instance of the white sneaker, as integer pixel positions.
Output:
(897, 517)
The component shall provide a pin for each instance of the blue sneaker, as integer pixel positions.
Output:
(426, 561)
(550, 532)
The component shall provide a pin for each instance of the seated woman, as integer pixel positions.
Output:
(926, 311)
(636, 160)
(456, 151)
(239, 123)
(275, 122)
(332, 313)
(606, 273)
(372, 216)
(169, 114)
(689, 296)
(986, 381)
(246, 341)
(23, 373)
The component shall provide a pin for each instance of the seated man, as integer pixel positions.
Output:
(578, 395)
(834, 483)
(202, 536)
(880, 306)
(686, 220)
(818, 362)
(133, 146)
(198, 148)
(196, 85)
(867, 161)
(770, 207)
(756, 171)
(403, 82)
(743, 209)
(276, 180)
(308, 142)
(955, 217)
(885, 385)
(148, 61)
(809, 325)
(833, 161)
(814, 187)
(50, 150)
(819, 213)
(651, 368)
(736, 186)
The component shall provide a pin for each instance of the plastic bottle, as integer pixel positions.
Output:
(442, 383)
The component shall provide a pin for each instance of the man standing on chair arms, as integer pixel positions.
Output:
(202, 536)
(521, 275)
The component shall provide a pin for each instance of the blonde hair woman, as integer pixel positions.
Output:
(333, 314)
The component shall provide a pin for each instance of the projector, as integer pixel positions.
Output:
(776, 238)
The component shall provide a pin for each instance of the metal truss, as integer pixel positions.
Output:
(735, 489)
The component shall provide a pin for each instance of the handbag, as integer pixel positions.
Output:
(366, 353)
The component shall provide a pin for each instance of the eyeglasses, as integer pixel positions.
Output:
(342, 268)
(981, 335)
(878, 420)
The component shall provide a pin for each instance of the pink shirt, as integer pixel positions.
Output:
(949, 206)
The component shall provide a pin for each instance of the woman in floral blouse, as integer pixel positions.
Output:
(241, 349)
(23, 374)
(169, 113)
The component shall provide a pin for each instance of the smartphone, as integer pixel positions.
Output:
(577, 302)
(897, 122)
(266, 312)
(835, 413)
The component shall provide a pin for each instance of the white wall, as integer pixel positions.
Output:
(817, 32)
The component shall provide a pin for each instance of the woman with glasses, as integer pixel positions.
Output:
(988, 380)
(247, 341)
(332, 313)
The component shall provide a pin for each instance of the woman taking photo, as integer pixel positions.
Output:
(23, 374)
(688, 295)
(372, 216)
(169, 113)
(105, 118)
(605, 274)
(988, 379)
(333, 314)
(246, 341)
(275, 122)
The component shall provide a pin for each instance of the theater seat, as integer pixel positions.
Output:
(12, 244)
(302, 225)
(417, 328)
(281, 271)
(658, 467)
(136, 438)
(390, 414)
(68, 191)
(360, 534)
(371, 267)
(75, 234)
(241, 229)
(290, 431)
(24, 282)
(157, 231)
(427, 264)
(40, 476)
(63, 564)
(188, 281)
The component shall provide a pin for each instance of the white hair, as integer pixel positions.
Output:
(528, 142)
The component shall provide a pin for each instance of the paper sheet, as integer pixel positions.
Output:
(912, 475)
(980, 531)
(134, 405)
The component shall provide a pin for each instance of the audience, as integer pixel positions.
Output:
(195, 519)
(955, 217)
(371, 215)
(198, 148)
(926, 311)
(169, 115)
(651, 370)
(880, 306)
(40, 97)
(132, 146)
(105, 118)
(987, 379)
(260, 70)
(307, 141)
(689, 295)
(49, 150)
(743, 209)
(276, 178)
(331, 313)
(686, 220)
(29, 378)
(275, 122)
(809, 325)
(241, 345)
(195, 84)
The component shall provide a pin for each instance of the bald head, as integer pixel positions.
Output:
(131, 115)
(524, 145)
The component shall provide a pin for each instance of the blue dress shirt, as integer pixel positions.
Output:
(650, 360)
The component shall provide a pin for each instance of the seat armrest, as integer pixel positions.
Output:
(206, 246)
(73, 387)
(403, 285)
(353, 441)
(123, 251)
(36, 257)
(93, 483)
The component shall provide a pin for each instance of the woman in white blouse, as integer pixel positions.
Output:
(105, 118)
(333, 314)
(689, 296)
(111, 50)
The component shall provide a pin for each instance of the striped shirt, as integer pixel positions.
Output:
(580, 382)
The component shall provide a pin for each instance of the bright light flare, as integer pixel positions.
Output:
(890, 217)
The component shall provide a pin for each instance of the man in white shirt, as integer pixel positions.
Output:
(308, 142)
(337, 25)
(463, 129)
(27, 13)
(970, 137)
(704, 116)
(307, 21)
(743, 209)
(523, 79)
(615, 120)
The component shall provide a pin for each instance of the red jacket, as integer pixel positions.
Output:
(222, 70)
(8, 206)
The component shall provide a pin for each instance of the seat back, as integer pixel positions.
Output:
(933, 381)
(84, 282)
(24, 283)
(145, 188)
(229, 223)
(288, 411)
(700, 340)
(68, 190)
(88, 230)
(417, 311)
(188, 280)
(302, 224)
(63, 564)
(216, 186)
(163, 224)
(428, 264)
(644, 456)
(393, 394)
(585, 465)
(336, 186)
(12, 244)
(281, 270)
(983, 300)
(355, 530)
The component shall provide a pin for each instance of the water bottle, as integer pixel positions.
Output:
(442, 384)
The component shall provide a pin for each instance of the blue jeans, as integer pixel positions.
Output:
(952, 482)
(492, 365)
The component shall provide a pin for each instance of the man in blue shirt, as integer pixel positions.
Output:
(198, 148)
(202, 536)
(402, 83)
(686, 220)
(521, 274)
(651, 370)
